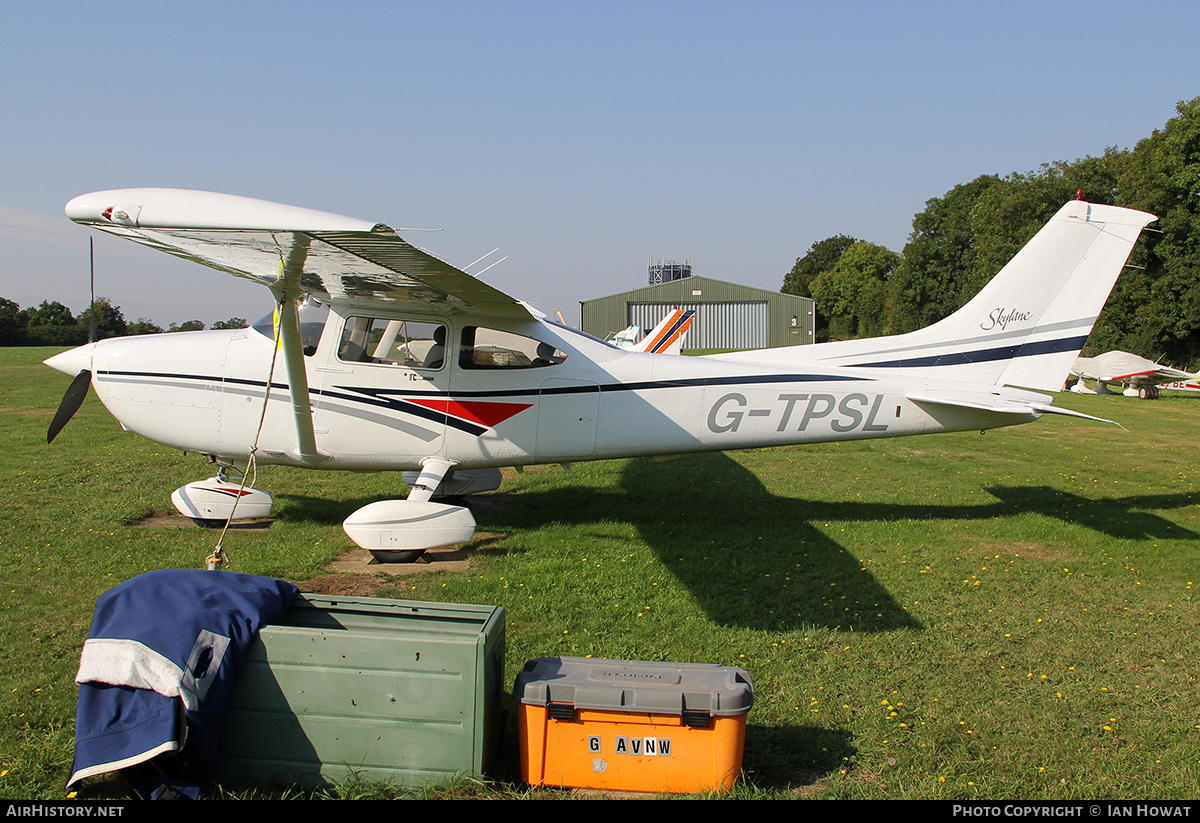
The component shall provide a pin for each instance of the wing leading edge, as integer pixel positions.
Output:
(340, 259)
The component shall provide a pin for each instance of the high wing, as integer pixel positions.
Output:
(1119, 366)
(293, 251)
(340, 259)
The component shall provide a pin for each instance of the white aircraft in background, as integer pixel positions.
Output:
(665, 338)
(385, 357)
(1141, 377)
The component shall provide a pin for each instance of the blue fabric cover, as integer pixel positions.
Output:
(202, 619)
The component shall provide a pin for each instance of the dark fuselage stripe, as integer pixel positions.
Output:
(393, 399)
(980, 356)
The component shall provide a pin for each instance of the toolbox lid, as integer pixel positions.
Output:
(635, 685)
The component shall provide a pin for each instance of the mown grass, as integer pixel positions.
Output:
(1009, 615)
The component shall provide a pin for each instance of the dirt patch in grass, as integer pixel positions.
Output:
(347, 585)
(1011, 548)
(170, 520)
(357, 573)
(443, 559)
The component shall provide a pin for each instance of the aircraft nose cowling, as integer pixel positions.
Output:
(72, 361)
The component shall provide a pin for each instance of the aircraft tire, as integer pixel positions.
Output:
(397, 556)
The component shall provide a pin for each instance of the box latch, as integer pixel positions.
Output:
(696, 718)
(561, 711)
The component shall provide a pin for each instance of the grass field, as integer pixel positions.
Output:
(1009, 615)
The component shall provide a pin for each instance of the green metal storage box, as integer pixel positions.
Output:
(387, 690)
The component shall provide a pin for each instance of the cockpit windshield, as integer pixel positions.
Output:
(312, 314)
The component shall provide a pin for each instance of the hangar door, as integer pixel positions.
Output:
(716, 326)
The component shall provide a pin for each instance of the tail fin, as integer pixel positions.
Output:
(667, 336)
(1027, 326)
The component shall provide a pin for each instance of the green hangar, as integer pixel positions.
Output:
(728, 316)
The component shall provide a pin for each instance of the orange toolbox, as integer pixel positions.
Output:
(630, 725)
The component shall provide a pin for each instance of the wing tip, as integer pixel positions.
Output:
(165, 208)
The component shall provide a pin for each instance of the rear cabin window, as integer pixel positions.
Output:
(484, 348)
(411, 343)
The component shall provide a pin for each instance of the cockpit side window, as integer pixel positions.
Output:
(312, 316)
(415, 344)
(484, 348)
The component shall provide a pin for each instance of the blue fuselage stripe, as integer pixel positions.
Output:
(981, 355)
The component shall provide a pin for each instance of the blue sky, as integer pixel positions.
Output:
(582, 138)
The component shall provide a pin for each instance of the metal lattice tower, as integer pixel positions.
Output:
(666, 271)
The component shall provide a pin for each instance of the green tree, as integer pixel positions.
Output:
(1155, 311)
(187, 325)
(110, 322)
(50, 313)
(821, 256)
(12, 323)
(1008, 214)
(144, 325)
(963, 239)
(854, 292)
(52, 324)
(55, 335)
(927, 284)
(231, 323)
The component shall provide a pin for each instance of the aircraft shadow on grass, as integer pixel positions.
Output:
(749, 558)
(756, 560)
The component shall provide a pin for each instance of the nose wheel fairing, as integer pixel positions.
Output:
(218, 500)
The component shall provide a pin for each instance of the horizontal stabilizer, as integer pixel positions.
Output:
(979, 402)
(1018, 403)
(1048, 409)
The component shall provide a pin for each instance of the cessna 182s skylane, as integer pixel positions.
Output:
(392, 359)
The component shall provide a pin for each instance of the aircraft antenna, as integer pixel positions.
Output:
(497, 263)
(489, 254)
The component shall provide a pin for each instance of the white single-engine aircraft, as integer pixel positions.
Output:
(393, 359)
(1141, 377)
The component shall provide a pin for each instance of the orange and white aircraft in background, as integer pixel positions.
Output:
(664, 338)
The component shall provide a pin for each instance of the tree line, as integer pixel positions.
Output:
(963, 238)
(53, 324)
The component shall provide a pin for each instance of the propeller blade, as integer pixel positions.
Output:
(70, 404)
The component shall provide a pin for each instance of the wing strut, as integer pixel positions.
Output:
(287, 293)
